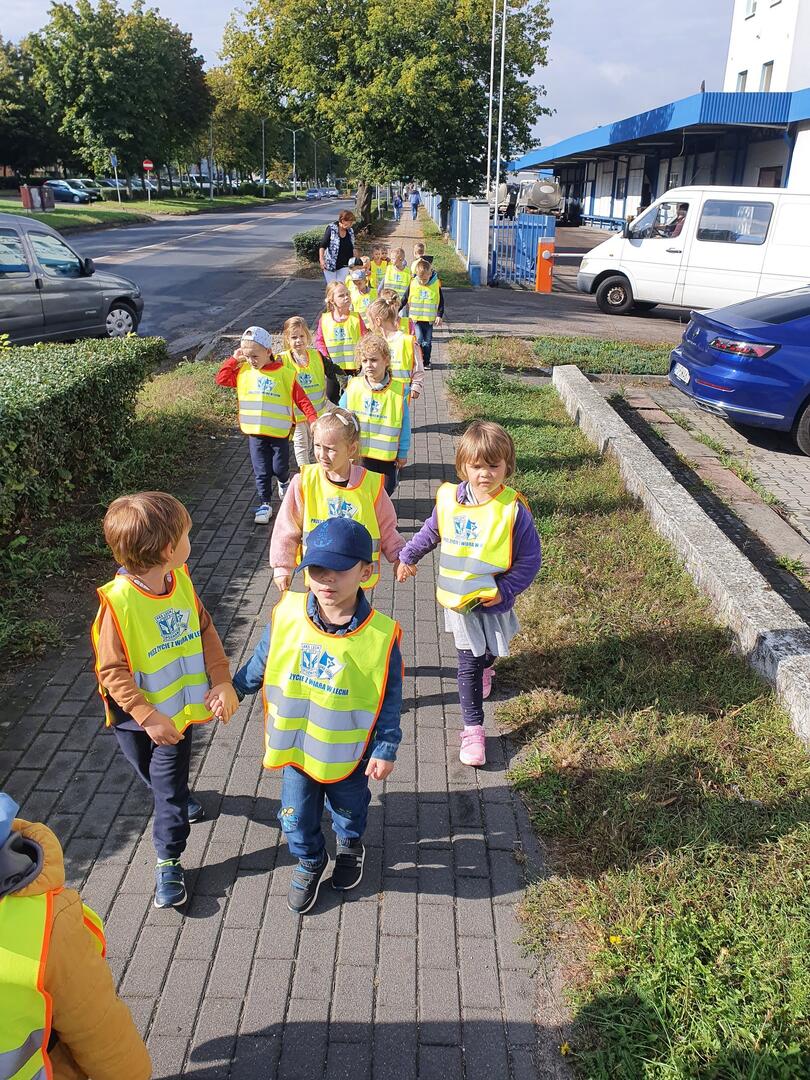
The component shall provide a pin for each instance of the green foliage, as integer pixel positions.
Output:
(603, 357)
(28, 127)
(307, 244)
(64, 415)
(660, 773)
(446, 261)
(398, 94)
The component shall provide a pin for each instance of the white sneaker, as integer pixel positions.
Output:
(263, 514)
(283, 488)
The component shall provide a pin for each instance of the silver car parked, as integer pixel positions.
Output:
(49, 292)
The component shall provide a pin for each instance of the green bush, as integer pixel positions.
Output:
(307, 244)
(65, 411)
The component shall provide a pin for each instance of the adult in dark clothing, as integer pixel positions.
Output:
(337, 247)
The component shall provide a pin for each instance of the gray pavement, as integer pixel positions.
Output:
(418, 973)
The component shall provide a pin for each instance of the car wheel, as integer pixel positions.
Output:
(120, 320)
(614, 296)
(77, 198)
(801, 432)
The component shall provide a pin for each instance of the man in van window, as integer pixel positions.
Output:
(680, 218)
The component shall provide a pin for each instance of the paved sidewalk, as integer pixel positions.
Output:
(416, 974)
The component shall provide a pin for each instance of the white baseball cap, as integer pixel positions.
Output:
(259, 335)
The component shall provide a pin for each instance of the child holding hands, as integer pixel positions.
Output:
(339, 328)
(268, 392)
(489, 554)
(160, 666)
(312, 373)
(334, 487)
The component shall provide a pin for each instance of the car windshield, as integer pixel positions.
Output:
(779, 308)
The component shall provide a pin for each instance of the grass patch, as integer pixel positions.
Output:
(504, 353)
(50, 578)
(662, 776)
(446, 262)
(793, 566)
(602, 357)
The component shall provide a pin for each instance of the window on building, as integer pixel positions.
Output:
(12, 256)
(732, 221)
(742, 79)
(770, 176)
(750, 8)
(766, 76)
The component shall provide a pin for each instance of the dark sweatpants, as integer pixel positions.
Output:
(387, 468)
(270, 457)
(164, 769)
(471, 685)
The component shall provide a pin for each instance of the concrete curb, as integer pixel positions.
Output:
(769, 633)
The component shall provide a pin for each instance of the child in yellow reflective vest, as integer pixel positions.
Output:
(363, 295)
(339, 329)
(418, 253)
(60, 1016)
(334, 487)
(160, 666)
(380, 404)
(489, 554)
(397, 274)
(406, 324)
(425, 301)
(379, 264)
(312, 373)
(406, 353)
(268, 393)
(330, 669)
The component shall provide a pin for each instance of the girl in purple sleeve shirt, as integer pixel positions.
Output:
(489, 554)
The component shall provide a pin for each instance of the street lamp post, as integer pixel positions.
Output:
(295, 166)
(491, 94)
(264, 171)
(500, 129)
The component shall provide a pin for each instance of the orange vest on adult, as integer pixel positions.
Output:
(265, 400)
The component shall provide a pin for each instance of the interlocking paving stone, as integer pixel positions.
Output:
(399, 977)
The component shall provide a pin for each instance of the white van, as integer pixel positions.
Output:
(703, 247)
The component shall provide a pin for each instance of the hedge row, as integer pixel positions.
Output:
(64, 415)
(307, 244)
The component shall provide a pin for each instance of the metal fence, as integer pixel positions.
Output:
(514, 247)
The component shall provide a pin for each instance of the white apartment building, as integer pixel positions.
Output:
(769, 46)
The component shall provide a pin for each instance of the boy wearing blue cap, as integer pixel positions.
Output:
(330, 668)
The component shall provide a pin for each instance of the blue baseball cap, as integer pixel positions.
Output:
(338, 544)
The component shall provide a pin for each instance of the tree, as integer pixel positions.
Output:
(29, 135)
(129, 82)
(397, 97)
(238, 126)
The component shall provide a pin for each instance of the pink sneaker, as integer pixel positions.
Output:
(489, 675)
(473, 745)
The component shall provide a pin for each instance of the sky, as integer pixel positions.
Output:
(607, 60)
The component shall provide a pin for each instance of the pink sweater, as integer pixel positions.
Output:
(289, 525)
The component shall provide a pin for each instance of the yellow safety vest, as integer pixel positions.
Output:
(380, 414)
(398, 280)
(323, 499)
(405, 324)
(163, 646)
(476, 545)
(265, 400)
(361, 302)
(402, 355)
(423, 301)
(323, 692)
(311, 379)
(340, 339)
(25, 1005)
(378, 273)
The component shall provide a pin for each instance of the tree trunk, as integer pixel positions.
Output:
(363, 202)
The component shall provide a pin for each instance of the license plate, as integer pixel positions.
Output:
(680, 372)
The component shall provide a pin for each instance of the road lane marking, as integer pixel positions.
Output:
(211, 341)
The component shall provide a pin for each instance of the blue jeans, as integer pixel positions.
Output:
(414, 209)
(270, 457)
(164, 770)
(424, 335)
(302, 802)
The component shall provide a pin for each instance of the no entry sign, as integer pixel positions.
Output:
(148, 165)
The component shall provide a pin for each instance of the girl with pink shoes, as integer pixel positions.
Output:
(489, 554)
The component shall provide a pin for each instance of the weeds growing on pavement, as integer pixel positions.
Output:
(52, 575)
(662, 776)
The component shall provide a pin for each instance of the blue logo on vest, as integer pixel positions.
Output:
(305, 379)
(317, 663)
(465, 529)
(266, 385)
(172, 624)
(372, 406)
(340, 507)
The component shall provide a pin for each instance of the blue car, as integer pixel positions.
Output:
(750, 363)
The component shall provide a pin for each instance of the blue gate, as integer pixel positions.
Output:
(513, 245)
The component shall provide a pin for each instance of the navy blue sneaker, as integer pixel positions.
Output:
(349, 861)
(196, 811)
(170, 888)
(304, 886)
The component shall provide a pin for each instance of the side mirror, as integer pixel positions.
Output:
(88, 267)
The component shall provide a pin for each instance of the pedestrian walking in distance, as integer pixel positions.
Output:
(415, 199)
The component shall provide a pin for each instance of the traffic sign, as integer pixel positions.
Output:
(114, 160)
(148, 165)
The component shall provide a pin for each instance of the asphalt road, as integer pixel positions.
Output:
(198, 273)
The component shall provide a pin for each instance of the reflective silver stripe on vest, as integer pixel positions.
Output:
(327, 753)
(13, 1060)
(265, 408)
(189, 695)
(462, 586)
(380, 429)
(379, 444)
(402, 373)
(462, 562)
(155, 681)
(316, 398)
(290, 708)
